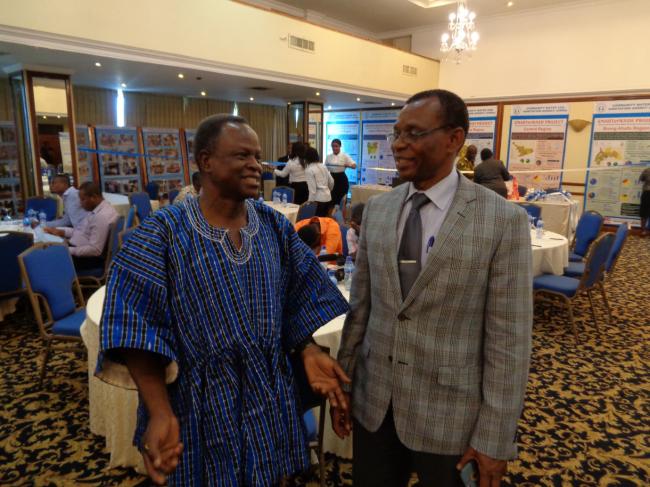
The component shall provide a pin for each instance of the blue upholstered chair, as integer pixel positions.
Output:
(152, 190)
(533, 210)
(564, 290)
(131, 218)
(12, 244)
(53, 291)
(282, 190)
(173, 193)
(142, 204)
(125, 235)
(577, 269)
(94, 278)
(306, 210)
(587, 231)
(45, 204)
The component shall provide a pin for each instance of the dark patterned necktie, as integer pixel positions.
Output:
(410, 248)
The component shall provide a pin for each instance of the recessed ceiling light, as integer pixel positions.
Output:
(358, 99)
(392, 104)
(123, 85)
(252, 99)
(98, 64)
(329, 107)
(510, 4)
(44, 117)
(181, 75)
(58, 116)
(203, 93)
(318, 93)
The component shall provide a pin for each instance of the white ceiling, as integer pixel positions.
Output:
(156, 78)
(381, 16)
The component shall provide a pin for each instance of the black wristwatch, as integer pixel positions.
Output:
(305, 343)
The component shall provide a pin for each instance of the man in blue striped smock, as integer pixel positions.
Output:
(203, 306)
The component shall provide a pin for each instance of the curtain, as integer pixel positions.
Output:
(149, 110)
(6, 108)
(94, 106)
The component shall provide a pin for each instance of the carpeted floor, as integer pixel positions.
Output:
(586, 421)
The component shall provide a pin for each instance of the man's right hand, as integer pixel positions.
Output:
(161, 446)
(342, 418)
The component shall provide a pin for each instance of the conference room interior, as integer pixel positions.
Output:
(566, 111)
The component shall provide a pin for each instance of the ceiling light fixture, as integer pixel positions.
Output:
(318, 93)
(123, 85)
(98, 64)
(252, 99)
(510, 4)
(44, 117)
(462, 36)
(431, 3)
(358, 99)
(181, 75)
(329, 107)
(58, 116)
(392, 104)
(203, 93)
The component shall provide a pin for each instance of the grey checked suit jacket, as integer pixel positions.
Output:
(453, 356)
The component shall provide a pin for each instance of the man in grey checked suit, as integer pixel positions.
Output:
(438, 338)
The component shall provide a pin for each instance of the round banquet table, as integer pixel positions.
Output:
(560, 216)
(290, 210)
(113, 410)
(550, 253)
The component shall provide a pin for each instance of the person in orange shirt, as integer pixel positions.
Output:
(329, 230)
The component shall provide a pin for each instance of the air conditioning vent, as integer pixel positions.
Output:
(260, 88)
(302, 44)
(409, 70)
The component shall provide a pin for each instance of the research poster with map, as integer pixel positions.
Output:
(482, 128)
(377, 162)
(537, 144)
(345, 127)
(618, 154)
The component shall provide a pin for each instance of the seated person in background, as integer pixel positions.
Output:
(466, 161)
(355, 229)
(329, 233)
(89, 239)
(320, 183)
(310, 234)
(492, 174)
(73, 213)
(191, 191)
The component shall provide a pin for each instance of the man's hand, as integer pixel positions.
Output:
(54, 231)
(324, 375)
(490, 470)
(341, 418)
(161, 446)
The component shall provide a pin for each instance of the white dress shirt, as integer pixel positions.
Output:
(319, 182)
(89, 238)
(432, 213)
(294, 170)
(338, 162)
(73, 213)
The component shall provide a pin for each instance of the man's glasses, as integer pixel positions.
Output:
(412, 136)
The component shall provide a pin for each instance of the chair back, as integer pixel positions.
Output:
(153, 190)
(533, 210)
(130, 217)
(587, 231)
(142, 204)
(48, 270)
(114, 240)
(125, 235)
(596, 258)
(619, 240)
(282, 190)
(42, 203)
(306, 210)
(344, 236)
(12, 244)
(173, 193)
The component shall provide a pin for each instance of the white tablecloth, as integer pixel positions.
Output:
(550, 253)
(290, 210)
(40, 237)
(362, 193)
(558, 216)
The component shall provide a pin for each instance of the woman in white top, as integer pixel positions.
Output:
(295, 169)
(319, 182)
(337, 163)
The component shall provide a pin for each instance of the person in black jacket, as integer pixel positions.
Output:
(491, 173)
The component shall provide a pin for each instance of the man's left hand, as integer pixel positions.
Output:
(490, 470)
(325, 375)
(54, 231)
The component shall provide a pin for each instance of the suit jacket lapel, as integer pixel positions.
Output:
(451, 230)
(394, 209)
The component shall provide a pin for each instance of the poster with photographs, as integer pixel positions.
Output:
(189, 145)
(84, 154)
(117, 149)
(164, 158)
(10, 196)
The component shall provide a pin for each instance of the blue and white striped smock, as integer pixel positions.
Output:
(227, 318)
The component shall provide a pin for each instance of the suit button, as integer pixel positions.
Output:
(390, 358)
(402, 317)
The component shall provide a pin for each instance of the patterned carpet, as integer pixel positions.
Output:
(586, 420)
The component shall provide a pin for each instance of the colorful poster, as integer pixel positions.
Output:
(618, 154)
(164, 159)
(119, 166)
(482, 129)
(189, 147)
(11, 199)
(377, 162)
(345, 127)
(84, 154)
(537, 143)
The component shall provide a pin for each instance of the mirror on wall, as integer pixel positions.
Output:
(315, 126)
(296, 122)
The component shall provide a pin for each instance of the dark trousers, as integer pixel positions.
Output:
(381, 460)
(87, 263)
(341, 187)
(300, 192)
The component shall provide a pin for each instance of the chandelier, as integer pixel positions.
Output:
(461, 38)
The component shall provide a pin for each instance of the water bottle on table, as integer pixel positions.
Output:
(331, 273)
(42, 218)
(276, 197)
(539, 229)
(285, 200)
(348, 269)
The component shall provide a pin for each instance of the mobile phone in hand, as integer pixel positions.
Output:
(469, 474)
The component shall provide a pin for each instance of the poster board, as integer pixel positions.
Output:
(119, 167)
(85, 161)
(163, 157)
(537, 144)
(344, 126)
(619, 151)
(11, 198)
(482, 128)
(189, 147)
(377, 162)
